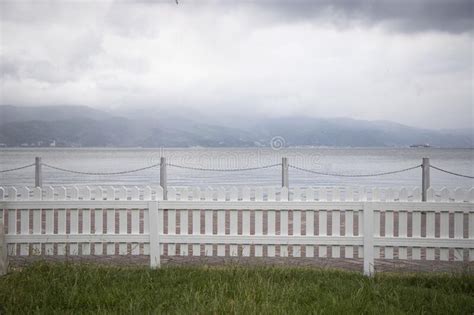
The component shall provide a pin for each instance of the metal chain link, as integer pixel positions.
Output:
(233, 170)
(17, 168)
(100, 173)
(222, 169)
(353, 175)
(456, 174)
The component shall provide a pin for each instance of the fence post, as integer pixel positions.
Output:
(368, 239)
(38, 173)
(284, 179)
(154, 234)
(425, 180)
(284, 172)
(163, 178)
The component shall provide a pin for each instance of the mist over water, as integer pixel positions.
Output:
(331, 160)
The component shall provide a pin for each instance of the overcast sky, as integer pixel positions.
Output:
(406, 61)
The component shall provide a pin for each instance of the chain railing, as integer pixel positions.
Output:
(223, 169)
(100, 173)
(425, 166)
(449, 172)
(17, 168)
(354, 175)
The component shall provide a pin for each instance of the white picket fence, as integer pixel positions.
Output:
(245, 222)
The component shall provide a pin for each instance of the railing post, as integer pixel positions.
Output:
(425, 180)
(38, 173)
(284, 172)
(163, 178)
(368, 239)
(284, 179)
(154, 234)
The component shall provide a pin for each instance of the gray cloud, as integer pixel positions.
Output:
(452, 16)
(9, 69)
(406, 61)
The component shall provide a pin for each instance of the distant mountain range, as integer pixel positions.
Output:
(81, 126)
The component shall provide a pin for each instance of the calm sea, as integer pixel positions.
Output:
(335, 160)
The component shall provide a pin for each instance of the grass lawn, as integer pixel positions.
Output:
(80, 288)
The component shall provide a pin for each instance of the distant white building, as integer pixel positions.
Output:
(53, 144)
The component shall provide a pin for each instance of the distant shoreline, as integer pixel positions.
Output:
(240, 148)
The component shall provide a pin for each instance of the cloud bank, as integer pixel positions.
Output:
(405, 61)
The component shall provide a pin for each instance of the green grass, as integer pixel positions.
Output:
(79, 288)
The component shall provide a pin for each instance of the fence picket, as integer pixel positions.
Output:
(147, 191)
(458, 225)
(135, 224)
(309, 194)
(24, 194)
(37, 195)
(470, 195)
(271, 194)
(61, 213)
(403, 195)
(196, 195)
(108, 193)
(172, 196)
(159, 193)
(297, 194)
(110, 216)
(208, 221)
(120, 194)
(323, 222)
(258, 223)
(430, 233)
(246, 221)
(86, 229)
(416, 233)
(297, 222)
(74, 193)
(48, 192)
(36, 216)
(283, 222)
(12, 217)
(123, 227)
(221, 224)
(349, 231)
(74, 230)
(356, 194)
(349, 194)
(233, 214)
(85, 194)
(376, 223)
(444, 224)
(375, 194)
(271, 222)
(324, 194)
(459, 194)
(183, 227)
(284, 194)
(444, 194)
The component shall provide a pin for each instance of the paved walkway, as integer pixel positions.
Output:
(381, 265)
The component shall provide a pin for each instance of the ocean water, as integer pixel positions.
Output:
(334, 160)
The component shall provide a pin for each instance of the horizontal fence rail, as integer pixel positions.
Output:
(349, 223)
